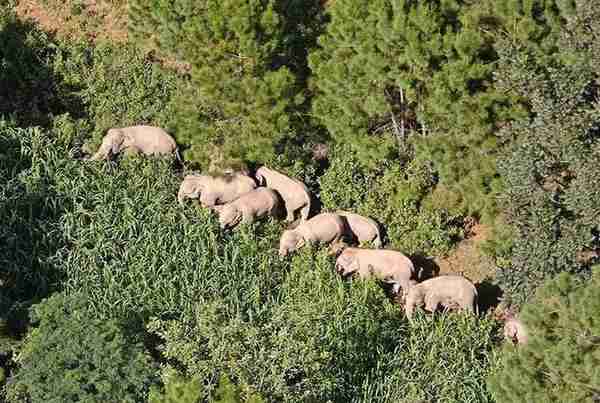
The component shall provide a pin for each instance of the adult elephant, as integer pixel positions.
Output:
(147, 140)
(294, 193)
(214, 190)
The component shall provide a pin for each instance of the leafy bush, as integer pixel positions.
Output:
(178, 390)
(551, 168)
(29, 213)
(396, 196)
(561, 360)
(71, 355)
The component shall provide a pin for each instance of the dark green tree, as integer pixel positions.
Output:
(551, 168)
(561, 359)
(246, 71)
(72, 356)
(389, 72)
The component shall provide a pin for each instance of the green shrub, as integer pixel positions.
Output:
(178, 390)
(550, 169)
(394, 195)
(561, 360)
(73, 356)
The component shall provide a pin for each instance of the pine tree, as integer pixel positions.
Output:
(389, 71)
(246, 71)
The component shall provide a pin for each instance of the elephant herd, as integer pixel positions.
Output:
(238, 197)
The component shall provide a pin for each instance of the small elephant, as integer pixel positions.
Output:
(390, 266)
(449, 291)
(324, 227)
(147, 140)
(294, 193)
(248, 207)
(213, 190)
(364, 229)
(514, 330)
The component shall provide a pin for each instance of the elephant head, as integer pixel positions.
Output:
(114, 141)
(229, 216)
(289, 242)
(414, 298)
(346, 265)
(190, 188)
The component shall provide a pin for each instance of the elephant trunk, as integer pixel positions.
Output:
(181, 197)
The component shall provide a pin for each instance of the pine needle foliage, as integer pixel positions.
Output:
(561, 361)
(389, 72)
(245, 72)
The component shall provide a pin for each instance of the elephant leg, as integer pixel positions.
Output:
(208, 199)
(305, 212)
(431, 302)
(290, 215)
(247, 218)
(131, 151)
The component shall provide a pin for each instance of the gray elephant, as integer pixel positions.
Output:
(363, 228)
(514, 330)
(213, 190)
(448, 291)
(324, 227)
(147, 140)
(294, 193)
(390, 266)
(250, 206)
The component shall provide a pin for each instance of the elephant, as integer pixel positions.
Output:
(324, 227)
(364, 229)
(449, 291)
(213, 190)
(390, 266)
(515, 330)
(147, 140)
(248, 207)
(294, 193)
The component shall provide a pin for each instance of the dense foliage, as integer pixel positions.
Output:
(71, 355)
(561, 361)
(389, 72)
(551, 167)
(246, 69)
(431, 114)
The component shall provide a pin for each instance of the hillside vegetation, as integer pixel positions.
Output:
(429, 116)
